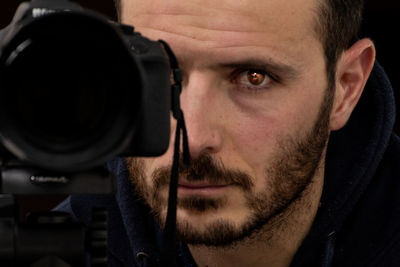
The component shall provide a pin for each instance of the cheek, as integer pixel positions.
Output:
(253, 141)
(141, 172)
(150, 165)
(255, 135)
(258, 123)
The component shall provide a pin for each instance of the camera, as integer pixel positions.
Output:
(78, 90)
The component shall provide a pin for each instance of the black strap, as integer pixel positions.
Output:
(168, 253)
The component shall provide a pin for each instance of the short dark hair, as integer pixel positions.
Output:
(337, 26)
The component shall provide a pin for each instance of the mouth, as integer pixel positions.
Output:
(203, 188)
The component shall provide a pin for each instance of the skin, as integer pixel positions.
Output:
(244, 125)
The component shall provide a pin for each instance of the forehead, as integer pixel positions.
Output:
(284, 28)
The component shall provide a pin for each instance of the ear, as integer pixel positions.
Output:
(352, 72)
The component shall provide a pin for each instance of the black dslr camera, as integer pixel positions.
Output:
(76, 90)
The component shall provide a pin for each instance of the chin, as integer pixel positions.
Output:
(210, 231)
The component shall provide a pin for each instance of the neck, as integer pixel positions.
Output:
(277, 242)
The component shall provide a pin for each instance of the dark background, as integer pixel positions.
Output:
(380, 24)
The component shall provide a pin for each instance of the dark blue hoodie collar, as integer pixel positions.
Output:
(137, 222)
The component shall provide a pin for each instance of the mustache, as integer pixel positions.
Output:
(204, 169)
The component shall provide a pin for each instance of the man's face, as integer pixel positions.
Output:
(256, 107)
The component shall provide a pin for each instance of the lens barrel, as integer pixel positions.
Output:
(70, 92)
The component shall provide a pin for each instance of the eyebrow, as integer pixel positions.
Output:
(279, 69)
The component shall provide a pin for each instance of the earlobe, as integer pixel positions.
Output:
(352, 72)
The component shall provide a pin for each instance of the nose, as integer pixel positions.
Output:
(201, 107)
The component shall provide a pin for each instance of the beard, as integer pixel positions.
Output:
(287, 177)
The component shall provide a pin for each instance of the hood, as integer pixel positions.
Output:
(353, 156)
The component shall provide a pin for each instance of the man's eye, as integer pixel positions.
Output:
(256, 78)
(253, 80)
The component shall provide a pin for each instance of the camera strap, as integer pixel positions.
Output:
(168, 253)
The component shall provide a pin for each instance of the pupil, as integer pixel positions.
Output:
(255, 78)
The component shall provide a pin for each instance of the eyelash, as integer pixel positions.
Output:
(253, 88)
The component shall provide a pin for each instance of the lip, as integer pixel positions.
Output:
(202, 188)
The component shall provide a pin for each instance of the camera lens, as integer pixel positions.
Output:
(70, 92)
(62, 102)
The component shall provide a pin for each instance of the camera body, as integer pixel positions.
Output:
(78, 90)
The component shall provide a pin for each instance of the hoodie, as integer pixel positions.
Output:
(358, 221)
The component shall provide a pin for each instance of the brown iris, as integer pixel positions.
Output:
(255, 78)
